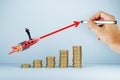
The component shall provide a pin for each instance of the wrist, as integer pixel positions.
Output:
(115, 47)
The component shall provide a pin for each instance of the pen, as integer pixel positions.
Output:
(100, 22)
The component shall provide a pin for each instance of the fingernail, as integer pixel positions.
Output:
(98, 38)
(89, 28)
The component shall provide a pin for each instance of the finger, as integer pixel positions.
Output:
(106, 16)
(94, 27)
(102, 16)
(99, 38)
(96, 16)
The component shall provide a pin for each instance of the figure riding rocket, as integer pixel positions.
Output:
(25, 44)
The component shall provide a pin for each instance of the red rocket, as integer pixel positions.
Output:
(26, 44)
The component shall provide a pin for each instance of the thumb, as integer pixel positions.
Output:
(93, 26)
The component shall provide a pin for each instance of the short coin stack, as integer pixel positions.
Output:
(50, 62)
(37, 63)
(25, 66)
(63, 59)
(77, 56)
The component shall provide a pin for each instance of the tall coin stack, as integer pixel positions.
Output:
(37, 63)
(63, 59)
(77, 56)
(50, 62)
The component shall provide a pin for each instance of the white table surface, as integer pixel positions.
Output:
(88, 72)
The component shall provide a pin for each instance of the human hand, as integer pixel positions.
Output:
(108, 33)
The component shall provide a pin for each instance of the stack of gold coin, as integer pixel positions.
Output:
(63, 59)
(37, 63)
(50, 62)
(77, 56)
(25, 66)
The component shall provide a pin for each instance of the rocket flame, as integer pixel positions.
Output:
(16, 49)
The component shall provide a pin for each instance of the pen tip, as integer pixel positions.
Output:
(81, 21)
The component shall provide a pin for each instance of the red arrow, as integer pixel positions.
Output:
(75, 23)
(26, 44)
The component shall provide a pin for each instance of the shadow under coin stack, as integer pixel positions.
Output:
(77, 56)
(25, 66)
(50, 62)
(63, 59)
(37, 63)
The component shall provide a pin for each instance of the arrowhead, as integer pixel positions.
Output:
(76, 23)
